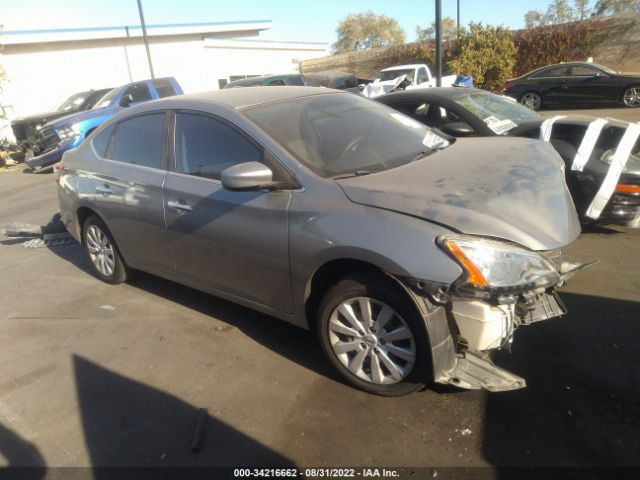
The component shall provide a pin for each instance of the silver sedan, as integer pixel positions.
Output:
(410, 254)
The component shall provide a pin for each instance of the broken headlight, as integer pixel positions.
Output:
(68, 132)
(494, 266)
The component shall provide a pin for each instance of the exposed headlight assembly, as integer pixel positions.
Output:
(69, 132)
(496, 267)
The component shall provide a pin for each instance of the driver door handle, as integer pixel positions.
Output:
(179, 206)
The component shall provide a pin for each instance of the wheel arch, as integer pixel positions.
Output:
(337, 269)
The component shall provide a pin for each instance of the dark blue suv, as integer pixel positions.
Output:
(65, 133)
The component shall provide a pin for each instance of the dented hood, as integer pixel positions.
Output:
(512, 189)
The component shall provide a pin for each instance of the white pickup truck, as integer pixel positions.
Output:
(418, 75)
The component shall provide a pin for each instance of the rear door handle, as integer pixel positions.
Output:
(179, 206)
(104, 189)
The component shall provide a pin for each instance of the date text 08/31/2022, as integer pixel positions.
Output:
(315, 472)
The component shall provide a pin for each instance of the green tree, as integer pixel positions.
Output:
(487, 53)
(559, 11)
(581, 8)
(534, 18)
(616, 7)
(449, 28)
(362, 31)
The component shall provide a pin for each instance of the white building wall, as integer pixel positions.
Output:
(39, 80)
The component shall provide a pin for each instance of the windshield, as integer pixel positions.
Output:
(73, 102)
(107, 99)
(499, 113)
(391, 74)
(340, 134)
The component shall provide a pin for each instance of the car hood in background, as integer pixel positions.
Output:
(512, 189)
(42, 117)
(69, 120)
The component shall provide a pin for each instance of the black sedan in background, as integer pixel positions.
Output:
(574, 83)
(464, 112)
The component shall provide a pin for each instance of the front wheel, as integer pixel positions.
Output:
(631, 97)
(373, 336)
(531, 100)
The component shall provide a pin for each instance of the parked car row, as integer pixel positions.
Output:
(25, 129)
(46, 137)
(412, 254)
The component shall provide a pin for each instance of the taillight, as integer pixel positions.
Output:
(623, 188)
(507, 86)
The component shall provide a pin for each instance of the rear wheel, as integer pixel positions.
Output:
(102, 251)
(631, 96)
(373, 336)
(531, 100)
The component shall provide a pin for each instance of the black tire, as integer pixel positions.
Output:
(120, 272)
(381, 289)
(634, 92)
(535, 105)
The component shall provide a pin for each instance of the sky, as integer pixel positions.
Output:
(293, 20)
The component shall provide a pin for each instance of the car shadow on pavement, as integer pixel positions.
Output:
(287, 340)
(129, 424)
(581, 406)
(22, 459)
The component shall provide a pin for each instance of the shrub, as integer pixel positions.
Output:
(551, 44)
(486, 53)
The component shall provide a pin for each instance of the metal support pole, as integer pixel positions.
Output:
(438, 43)
(458, 23)
(144, 36)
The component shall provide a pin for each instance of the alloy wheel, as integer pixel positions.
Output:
(100, 251)
(631, 97)
(531, 100)
(372, 340)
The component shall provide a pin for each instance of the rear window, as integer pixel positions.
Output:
(139, 92)
(164, 88)
(101, 141)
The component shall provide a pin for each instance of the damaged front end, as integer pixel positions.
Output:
(503, 286)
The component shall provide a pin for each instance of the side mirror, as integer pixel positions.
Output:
(457, 129)
(247, 176)
(126, 100)
(600, 75)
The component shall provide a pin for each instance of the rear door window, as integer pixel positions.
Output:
(206, 146)
(562, 71)
(138, 141)
(580, 71)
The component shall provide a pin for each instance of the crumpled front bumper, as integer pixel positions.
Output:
(463, 331)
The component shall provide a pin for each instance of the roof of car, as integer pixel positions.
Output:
(261, 78)
(403, 67)
(244, 97)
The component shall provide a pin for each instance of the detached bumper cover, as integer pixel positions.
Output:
(44, 160)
